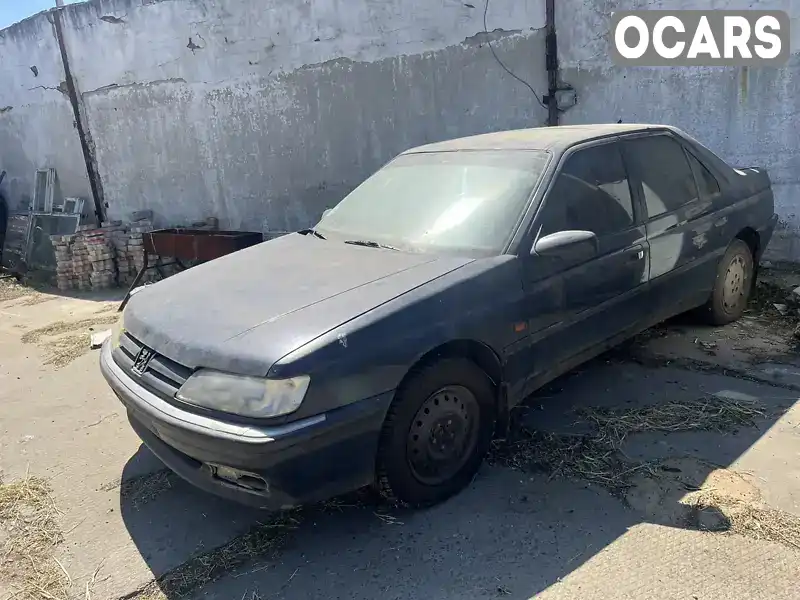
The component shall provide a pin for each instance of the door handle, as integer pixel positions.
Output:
(638, 255)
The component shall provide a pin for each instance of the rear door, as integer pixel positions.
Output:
(576, 300)
(678, 194)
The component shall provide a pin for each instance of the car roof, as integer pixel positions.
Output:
(555, 139)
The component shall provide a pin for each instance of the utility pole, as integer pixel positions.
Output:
(551, 61)
(76, 101)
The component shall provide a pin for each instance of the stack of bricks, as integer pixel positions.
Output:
(65, 272)
(135, 250)
(101, 258)
(81, 264)
(118, 239)
(101, 254)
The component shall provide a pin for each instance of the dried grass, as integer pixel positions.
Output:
(65, 341)
(596, 457)
(33, 292)
(710, 413)
(64, 350)
(37, 298)
(60, 327)
(30, 521)
(568, 456)
(753, 520)
(778, 306)
(264, 540)
(767, 294)
(141, 490)
(10, 289)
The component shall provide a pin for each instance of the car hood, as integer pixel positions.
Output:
(243, 312)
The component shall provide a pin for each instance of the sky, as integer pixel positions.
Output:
(12, 11)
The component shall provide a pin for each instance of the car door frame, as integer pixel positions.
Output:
(530, 233)
(687, 150)
(696, 218)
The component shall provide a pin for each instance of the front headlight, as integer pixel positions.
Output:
(244, 396)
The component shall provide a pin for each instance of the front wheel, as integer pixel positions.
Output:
(436, 434)
(732, 285)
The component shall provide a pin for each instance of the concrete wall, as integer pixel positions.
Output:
(748, 116)
(265, 112)
(36, 119)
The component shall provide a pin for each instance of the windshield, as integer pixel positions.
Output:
(458, 201)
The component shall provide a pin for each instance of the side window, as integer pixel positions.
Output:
(590, 193)
(660, 163)
(709, 186)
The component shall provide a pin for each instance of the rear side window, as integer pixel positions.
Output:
(660, 163)
(591, 193)
(709, 186)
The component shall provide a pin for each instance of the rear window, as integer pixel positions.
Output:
(709, 187)
(660, 164)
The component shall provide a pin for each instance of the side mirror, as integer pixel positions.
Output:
(563, 242)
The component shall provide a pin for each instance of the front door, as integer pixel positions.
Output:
(582, 295)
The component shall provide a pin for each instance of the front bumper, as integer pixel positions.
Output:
(300, 462)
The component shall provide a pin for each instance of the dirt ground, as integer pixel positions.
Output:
(667, 468)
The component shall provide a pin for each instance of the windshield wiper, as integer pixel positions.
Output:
(371, 244)
(313, 232)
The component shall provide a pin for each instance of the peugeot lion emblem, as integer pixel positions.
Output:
(142, 360)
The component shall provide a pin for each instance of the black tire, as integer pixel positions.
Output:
(458, 392)
(732, 286)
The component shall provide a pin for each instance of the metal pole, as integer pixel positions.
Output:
(84, 135)
(551, 58)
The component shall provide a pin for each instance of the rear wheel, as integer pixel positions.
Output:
(732, 286)
(436, 433)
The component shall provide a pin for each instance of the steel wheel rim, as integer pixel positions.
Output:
(443, 435)
(735, 284)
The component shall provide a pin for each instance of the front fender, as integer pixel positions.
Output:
(371, 355)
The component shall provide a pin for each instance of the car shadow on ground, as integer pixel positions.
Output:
(532, 516)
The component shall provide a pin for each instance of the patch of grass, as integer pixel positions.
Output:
(596, 457)
(64, 350)
(68, 341)
(778, 305)
(106, 308)
(711, 413)
(568, 456)
(10, 289)
(255, 548)
(766, 295)
(262, 541)
(28, 517)
(141, 490)
(753, 520)
(60, 327)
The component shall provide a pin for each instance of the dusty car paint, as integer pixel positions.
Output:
(358, 319)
